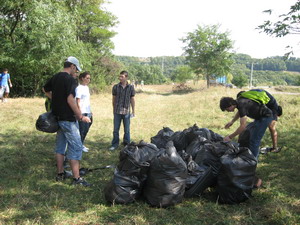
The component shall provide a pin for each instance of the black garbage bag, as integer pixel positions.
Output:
(162, 137)
(191, 133)
(215, 137)
(47, 122)
(209, 156)
(166, 179)
(180, 140)
(195, 146)
(131, 173)
(135, 158)
(235, 180)
(205, 133)
(122, 189)
(198, 178)
(244, 137)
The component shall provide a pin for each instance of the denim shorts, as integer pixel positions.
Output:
(68, 138)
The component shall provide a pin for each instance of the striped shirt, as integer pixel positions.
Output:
(122, 98)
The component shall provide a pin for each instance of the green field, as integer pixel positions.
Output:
(30, 195)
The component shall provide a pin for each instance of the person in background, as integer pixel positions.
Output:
(61, 90)
(83, 103)
(123, 97)
(5, 84)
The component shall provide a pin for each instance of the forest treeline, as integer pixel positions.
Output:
(268, 71)
(37, 36)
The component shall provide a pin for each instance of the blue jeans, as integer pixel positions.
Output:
(68, 137)
(260, 127)
(84, 127)
(117, 123)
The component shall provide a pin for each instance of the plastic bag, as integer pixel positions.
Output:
(235, 180)
(199, 177)
(162, 137)
(122, 189)
(47, 122)
(131, 173)
(244, 137)
(165, 184)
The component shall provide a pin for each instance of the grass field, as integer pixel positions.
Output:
(29, 194)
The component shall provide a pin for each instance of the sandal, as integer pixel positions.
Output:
(257, 182)
(276, 150)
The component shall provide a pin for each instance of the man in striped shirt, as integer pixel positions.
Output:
(123, 97)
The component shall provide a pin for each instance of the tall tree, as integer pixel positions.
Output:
(36, 37)
(287, 24)
(208, 51)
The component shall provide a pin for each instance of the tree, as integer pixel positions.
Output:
(207, 51)
(288, 23)
(37, 36)
(240, 80)
(182, 74)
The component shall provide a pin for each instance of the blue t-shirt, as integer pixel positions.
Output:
(4, 79)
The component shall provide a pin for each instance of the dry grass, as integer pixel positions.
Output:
(29, 195)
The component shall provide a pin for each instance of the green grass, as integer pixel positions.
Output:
(29, 194)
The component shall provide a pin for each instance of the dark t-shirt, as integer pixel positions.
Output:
(249, 108)
(62, 85)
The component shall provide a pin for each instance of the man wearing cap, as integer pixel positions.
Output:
(61, 90)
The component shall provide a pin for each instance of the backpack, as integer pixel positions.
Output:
(260, 97)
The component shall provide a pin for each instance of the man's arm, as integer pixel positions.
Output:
(78, 103)
(235, 118)
(239, 130)
(113, 102)
(47, 93)
(9, 81)
(132, 102)
(72, 103)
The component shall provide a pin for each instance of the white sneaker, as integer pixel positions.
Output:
(85, 149)
(112, 148)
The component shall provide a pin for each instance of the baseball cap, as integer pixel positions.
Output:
(75, 61)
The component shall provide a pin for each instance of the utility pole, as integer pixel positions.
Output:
(251, 75)
(162, 66)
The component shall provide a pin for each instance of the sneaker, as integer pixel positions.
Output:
(265, 150)
(112, 148)
(63, 176)
(81, 181)
(85, 149)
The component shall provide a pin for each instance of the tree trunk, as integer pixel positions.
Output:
(207, 81)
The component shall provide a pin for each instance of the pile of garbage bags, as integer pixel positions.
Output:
(182, 164)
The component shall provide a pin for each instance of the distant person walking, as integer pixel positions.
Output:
(5, 84)
(83, 103)
(123, 97)
(61, 90)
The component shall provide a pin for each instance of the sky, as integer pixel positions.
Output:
(150, 28)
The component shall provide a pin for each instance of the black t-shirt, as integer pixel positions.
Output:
(62, 85)
(249, 108)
